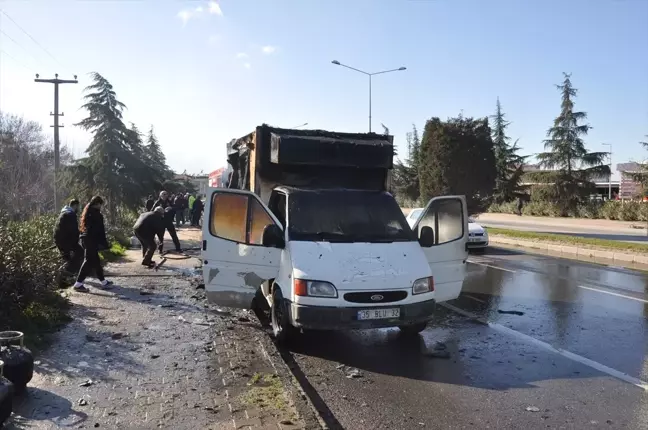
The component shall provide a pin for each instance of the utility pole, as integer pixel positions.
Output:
(57, 143)
(610, 177)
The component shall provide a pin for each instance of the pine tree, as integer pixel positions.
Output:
(155, 151)
(117, 165)
(406, 174)
(571, 168)
(508, 163)
(456, 157)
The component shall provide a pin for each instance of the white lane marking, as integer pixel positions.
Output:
(492, 267)
(474, 298)
(570, 355)
(613, 294)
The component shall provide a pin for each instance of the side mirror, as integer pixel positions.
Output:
(273, 237)
(426, 238)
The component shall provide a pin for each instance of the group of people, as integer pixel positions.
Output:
(187, 208)
(79, 241)
(159, 217)
(82, 258)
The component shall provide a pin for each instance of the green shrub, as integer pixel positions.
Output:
(29, 300)
(593, 209)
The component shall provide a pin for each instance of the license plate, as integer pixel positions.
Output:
(376, 314)
(475, 239)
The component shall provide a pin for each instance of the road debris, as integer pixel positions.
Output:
(86, 383)
(353, 373)
(519, 313)
(82, 402)
(532, 409)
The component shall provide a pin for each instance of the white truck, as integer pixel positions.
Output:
(308, 229)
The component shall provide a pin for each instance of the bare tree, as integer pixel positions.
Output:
(26, 168)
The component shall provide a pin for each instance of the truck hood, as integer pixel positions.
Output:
(360, 266)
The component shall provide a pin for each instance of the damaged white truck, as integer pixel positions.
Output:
(308, 229)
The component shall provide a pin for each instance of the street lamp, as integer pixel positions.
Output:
(337, 63)
(610, 177)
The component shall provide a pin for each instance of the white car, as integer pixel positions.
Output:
(477, 235)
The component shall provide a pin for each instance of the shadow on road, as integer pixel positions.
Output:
(53, 408)
(479, 356)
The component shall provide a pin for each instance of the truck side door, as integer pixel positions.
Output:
(448, 218)
(235, 261)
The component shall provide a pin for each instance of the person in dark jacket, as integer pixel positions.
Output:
(149, 225)
(93, 237)
(179, 206)
(162, 201)
(198, 207)
(169, 215)
(66, 237)
(149, 203)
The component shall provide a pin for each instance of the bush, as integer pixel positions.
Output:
(594, 209)
(29, 300)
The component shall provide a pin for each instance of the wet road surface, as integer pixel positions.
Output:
(534, 342)
(622, 234)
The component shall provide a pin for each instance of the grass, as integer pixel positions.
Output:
(583, 242)
(114, 253)
(266, 393)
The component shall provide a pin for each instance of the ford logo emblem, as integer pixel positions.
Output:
(376, 297)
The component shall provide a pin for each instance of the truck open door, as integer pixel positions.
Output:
(242, 245)
(447, 216)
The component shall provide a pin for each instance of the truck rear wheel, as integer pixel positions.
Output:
(282, 330)
(413, 329)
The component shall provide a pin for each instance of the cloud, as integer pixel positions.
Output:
(213, 39)
(242, 55)
(268, 49)
(247, 65)
(186, 15)
(215, 9)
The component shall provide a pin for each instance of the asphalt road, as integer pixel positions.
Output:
(622, 234)
(568, 351)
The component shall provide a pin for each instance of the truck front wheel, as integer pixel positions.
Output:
(413, 329)
(282, 330)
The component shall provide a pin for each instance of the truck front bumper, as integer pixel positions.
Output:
(332, 318)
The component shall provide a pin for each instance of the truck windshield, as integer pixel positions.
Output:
(346, 216)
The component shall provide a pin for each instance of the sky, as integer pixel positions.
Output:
(204, 72)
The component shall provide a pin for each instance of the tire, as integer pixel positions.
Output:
(413, 329)
(282, 330)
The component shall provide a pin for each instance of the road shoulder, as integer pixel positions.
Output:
(151, 353)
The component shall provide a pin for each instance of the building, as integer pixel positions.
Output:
(626, 188)
(219, 177)
(200, 181)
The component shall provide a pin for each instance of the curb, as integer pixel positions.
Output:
(572, 250)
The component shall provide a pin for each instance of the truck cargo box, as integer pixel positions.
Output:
(270, 156)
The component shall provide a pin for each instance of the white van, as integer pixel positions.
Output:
(333, 258)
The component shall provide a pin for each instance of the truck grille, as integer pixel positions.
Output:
(378, 296)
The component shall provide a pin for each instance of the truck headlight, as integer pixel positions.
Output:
(314, 288)
(423, 285)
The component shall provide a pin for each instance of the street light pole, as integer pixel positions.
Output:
(610, 177)
(337, 63)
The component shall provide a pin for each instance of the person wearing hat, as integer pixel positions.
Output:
(149, 225)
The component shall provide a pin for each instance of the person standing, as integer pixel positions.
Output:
(197, 212)
(93, 237)
(66, 238)
(190, 202)
(149, 203)
(178, 205)
(520, 205)
(169, 213)
(149, 225)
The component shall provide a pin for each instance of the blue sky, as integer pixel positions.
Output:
(205, 73)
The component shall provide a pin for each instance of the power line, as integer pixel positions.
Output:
(31, 37)
(16, 61)
(20, 46)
